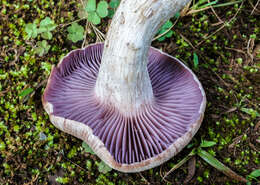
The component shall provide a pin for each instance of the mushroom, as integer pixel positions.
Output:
(134, 105)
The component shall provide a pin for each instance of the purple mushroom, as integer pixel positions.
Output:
(134, 105)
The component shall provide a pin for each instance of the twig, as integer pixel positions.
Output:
(255, 7)
(237, 50)
(224, 25)
(33, 180)
(211, 7)
(227, 4)
(2, 93)
(144, 179)
(227, 85)
(184, 160)
(250, 42)
(99, 34)
(187, 41)
(162, 176)
(62, 154)
(64, 25)
(196, 11)
(185, 9)
(191, 169)
(102, 34)
(85, 36)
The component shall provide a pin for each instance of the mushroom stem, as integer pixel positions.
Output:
(123, 80)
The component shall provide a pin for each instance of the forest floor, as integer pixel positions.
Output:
(221, 44)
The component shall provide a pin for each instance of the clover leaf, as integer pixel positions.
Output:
(47, 35)
(82, 13)
(95, 11)
(42, 47)
(76, 32)
(102, 9)
(103, 167)
(113, 4)
(31, 30)
(87, 148)
(91, 6)
(167, 25)
(94, 18)
(46, 26)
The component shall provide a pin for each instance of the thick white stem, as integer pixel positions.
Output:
(123, 79)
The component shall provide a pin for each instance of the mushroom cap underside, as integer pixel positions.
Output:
(126, 143)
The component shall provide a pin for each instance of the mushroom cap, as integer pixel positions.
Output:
(134, 143)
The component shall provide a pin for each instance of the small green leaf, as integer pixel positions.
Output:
(42, 47)
(114, 3)
(251, 112)
(212, 160)
(62, 180)
(46, 67)
(47, 35)
(167, 25)
(82, 13)
(164, 30)
(87, 148)
(2, 145)
(46, 21)
(111, 13)
(45, 45)
(220, 166)
(31, 30)
(46, 25)
(254, 174)
(195, 60)
(76, 32)
(169, 34)
(205, 143)
(26, 92)
(162, 38)
(16, 128)
(39, 51)
(94, 18)
(91, 6)
(102, 9)
(103, 167)
(177, 15)
(42, 30)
